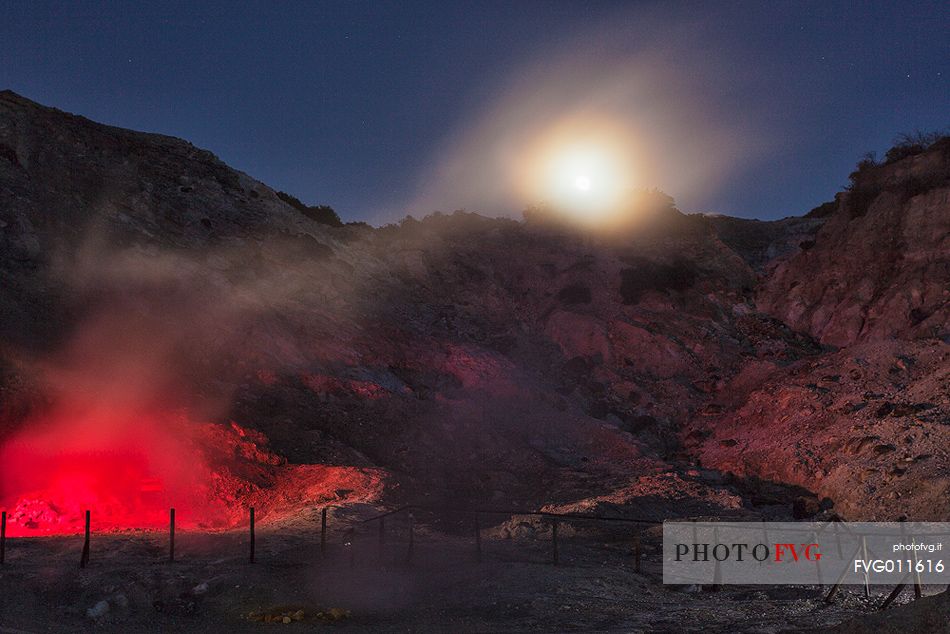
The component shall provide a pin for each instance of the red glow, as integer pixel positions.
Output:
(127, 468)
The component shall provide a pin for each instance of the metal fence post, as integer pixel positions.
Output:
(837, 584)
(84, 558)
(636, 554)
(382, 539)
(171, 535)
(3, 537)
(917, 589)
(821, 579)
(252, 536)
(478, 540)
(717, 571)
(895, 592)
(323, 531)
(867, 576)
(411, 538)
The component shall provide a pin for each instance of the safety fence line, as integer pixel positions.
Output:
(409, 510)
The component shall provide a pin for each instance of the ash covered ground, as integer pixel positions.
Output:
(175, 326)
(359, 584)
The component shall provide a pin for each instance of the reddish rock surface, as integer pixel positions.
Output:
(865, 426)
(880, 265)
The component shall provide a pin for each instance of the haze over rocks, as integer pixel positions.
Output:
(487, 359)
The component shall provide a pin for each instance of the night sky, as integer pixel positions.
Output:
(353, 104)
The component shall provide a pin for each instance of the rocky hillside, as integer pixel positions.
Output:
(68, 183)
(880, 265)
(466, 357)
(866, 424)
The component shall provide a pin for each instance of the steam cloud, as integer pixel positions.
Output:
(160, 339)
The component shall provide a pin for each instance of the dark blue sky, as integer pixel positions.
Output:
(349, 103)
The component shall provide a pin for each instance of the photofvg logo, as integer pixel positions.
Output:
(804, 552)
(782, 553)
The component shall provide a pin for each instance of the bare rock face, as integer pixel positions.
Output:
(61, 173)
(67, 184)
(865, 426)
(880, 265)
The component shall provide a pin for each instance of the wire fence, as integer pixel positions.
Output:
(397, 528)
(398, 531)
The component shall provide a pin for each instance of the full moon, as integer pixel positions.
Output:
(582, 168)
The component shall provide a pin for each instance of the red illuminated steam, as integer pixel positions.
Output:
(155, 339)
(128, 467)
